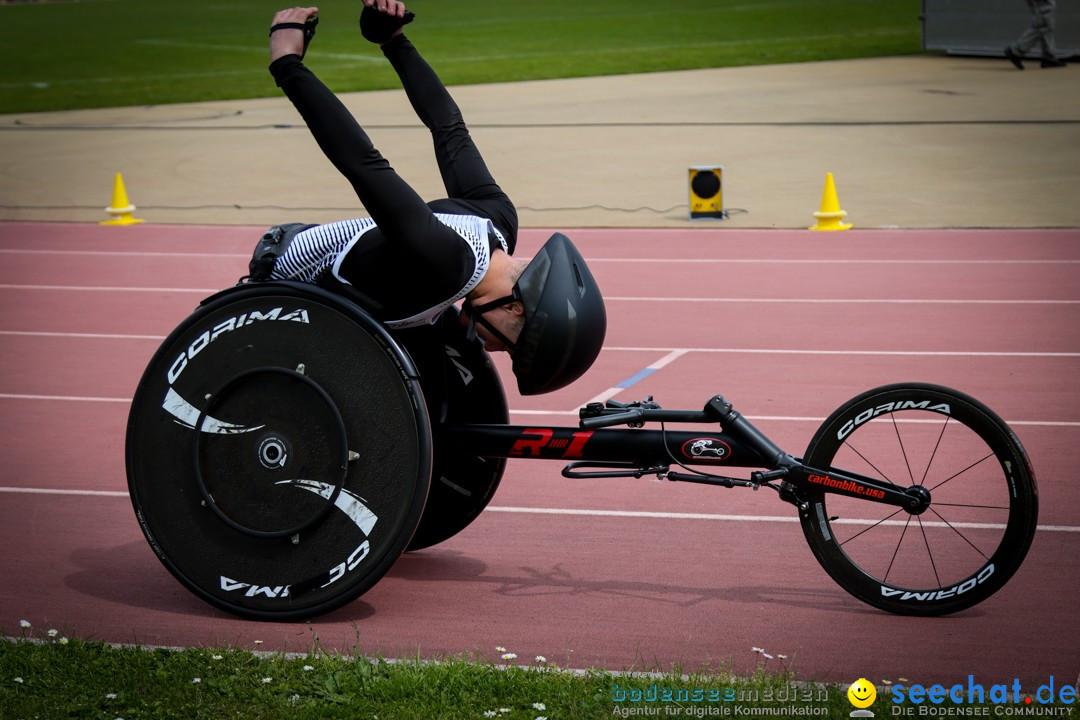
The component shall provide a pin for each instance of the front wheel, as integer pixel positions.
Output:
(983, 502)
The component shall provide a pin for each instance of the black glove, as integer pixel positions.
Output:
(379, 27)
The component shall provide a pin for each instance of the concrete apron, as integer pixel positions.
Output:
(912, 142)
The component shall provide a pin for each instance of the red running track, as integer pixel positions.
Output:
(787, 324)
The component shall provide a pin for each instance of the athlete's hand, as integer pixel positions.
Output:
(289, 41)
(383, 20)
(394, 8)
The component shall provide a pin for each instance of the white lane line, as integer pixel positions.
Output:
(673, 353)
(643, 514)
(623, 298)
(839, 301)
(809, 261)
(63, 398)
(80, 336)
(107, 288)
(650, 261)
(899, 353)
(752, 518)
(797, 419)
(61, 491)
(638, 376)
(123, 253)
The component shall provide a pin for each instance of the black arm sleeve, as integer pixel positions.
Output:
(396, 208)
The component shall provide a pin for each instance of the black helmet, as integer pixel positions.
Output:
(565, 320)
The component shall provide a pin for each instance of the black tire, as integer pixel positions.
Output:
(981, 518)
(461, 385)
(310, 469)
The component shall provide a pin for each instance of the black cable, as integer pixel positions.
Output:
(238, 206)
(667, 449)
(22, 125)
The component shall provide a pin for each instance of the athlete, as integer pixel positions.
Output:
(411, 260)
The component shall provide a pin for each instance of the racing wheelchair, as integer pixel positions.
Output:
(284, 449)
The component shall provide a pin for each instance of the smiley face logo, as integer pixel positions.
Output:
(861, 693)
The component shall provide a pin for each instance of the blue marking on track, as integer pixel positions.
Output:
(636, 378)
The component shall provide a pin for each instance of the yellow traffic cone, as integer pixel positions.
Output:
(830, 216)
(121, 209)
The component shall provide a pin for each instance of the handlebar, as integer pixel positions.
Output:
(628, 417)
(717, 410)
(595, 415)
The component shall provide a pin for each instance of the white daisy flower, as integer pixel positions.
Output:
(539, 706)
(509, 656)
(24, 624)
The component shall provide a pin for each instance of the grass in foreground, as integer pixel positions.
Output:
(60, 678)
(106, 53)
(78, 679)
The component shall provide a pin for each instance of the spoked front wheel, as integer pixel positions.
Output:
(982, 505)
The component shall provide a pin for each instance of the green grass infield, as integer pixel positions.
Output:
(63, 54)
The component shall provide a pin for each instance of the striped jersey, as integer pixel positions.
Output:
(321, 249)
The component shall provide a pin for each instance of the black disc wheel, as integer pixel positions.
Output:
(462, 386)
(279, 451)
(977, 502)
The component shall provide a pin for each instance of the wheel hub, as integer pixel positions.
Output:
(273, 452)
(918, 500)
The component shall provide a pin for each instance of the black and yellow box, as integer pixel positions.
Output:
(707, 192)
